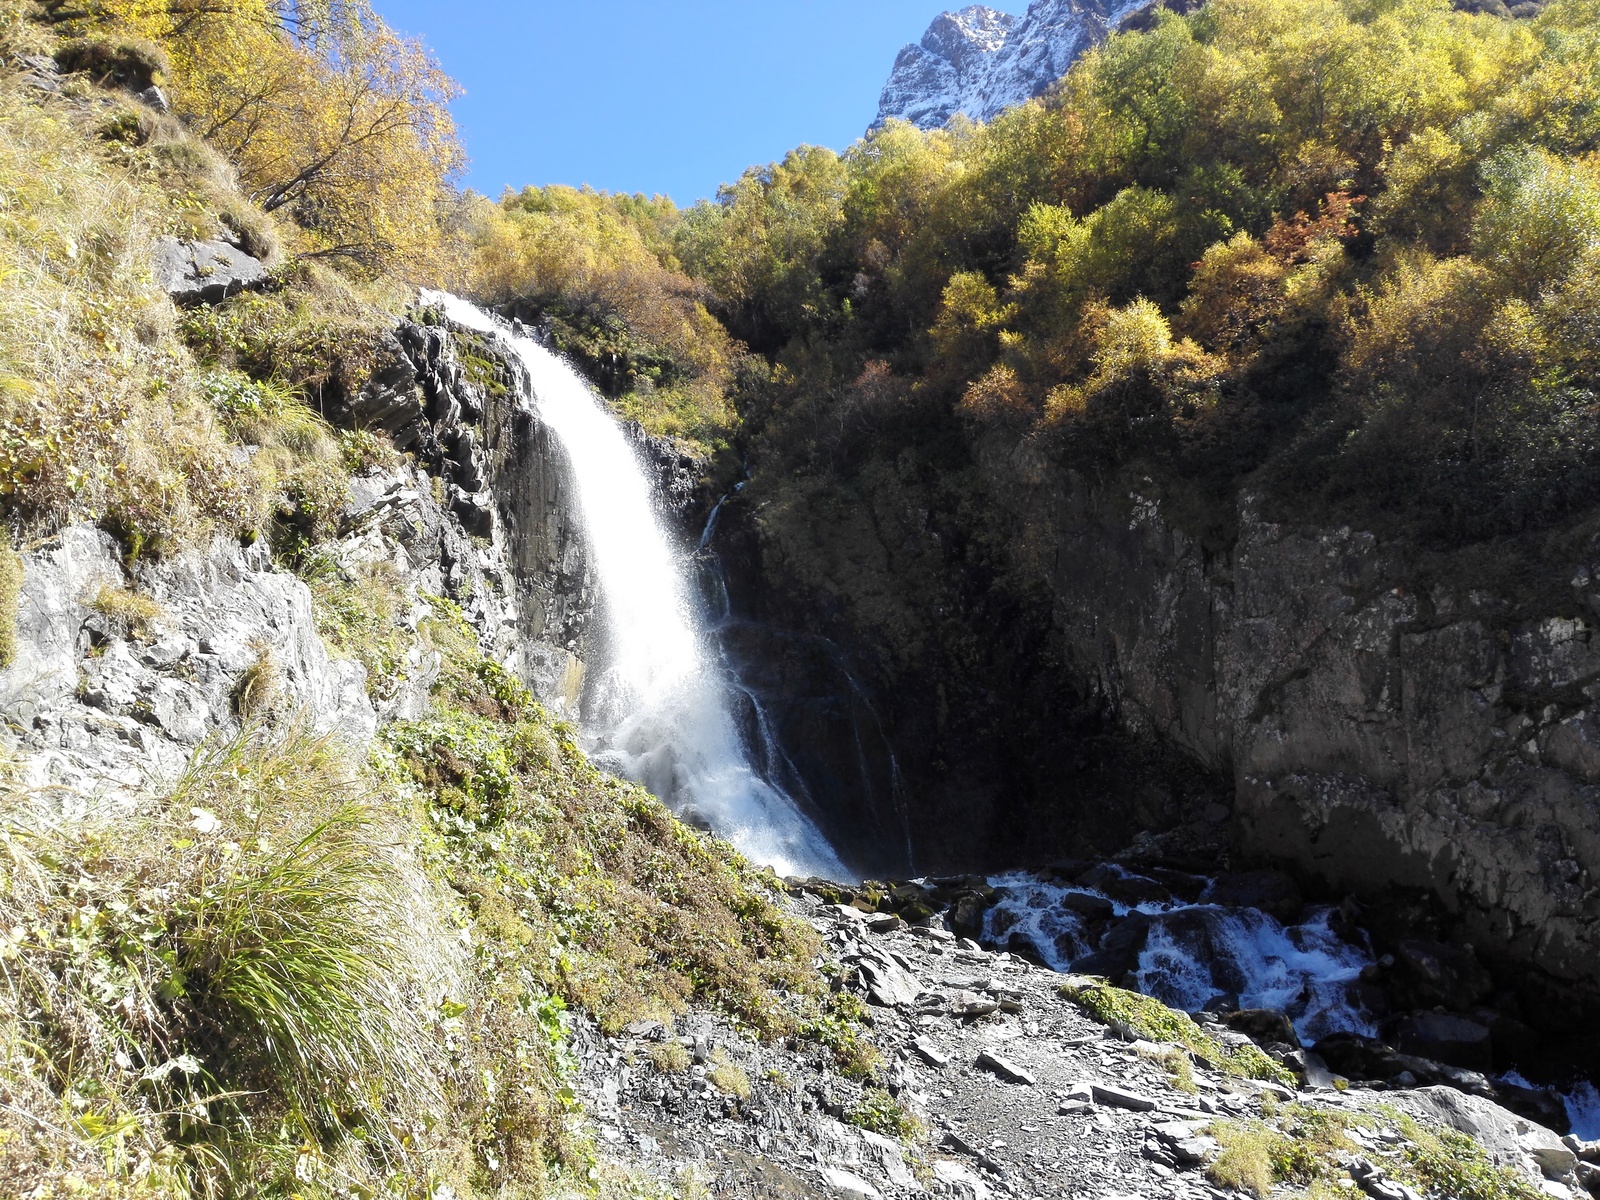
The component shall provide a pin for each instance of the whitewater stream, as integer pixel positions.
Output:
(658, 708)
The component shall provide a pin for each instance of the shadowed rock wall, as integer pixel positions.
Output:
(1379, 739)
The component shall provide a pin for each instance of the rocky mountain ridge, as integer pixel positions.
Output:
(979, 61)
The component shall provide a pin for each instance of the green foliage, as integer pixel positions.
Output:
(598, 272)
(1329, 249)
(1148, 1018)
(838, 1026)
(1306, 1147)
(1449, 1163)
(880, 1112)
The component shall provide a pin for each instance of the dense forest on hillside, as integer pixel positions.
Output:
(1347, 250)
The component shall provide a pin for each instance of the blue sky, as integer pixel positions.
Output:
(668, 97)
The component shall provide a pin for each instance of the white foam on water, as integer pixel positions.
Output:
(1194, 953)
(657, 710)
(1583, 1110)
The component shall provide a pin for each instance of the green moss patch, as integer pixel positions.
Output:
(1301, 1146)
(1152, 1020)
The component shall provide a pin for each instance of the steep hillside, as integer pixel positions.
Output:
(304, 892)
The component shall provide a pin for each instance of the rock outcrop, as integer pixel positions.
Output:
(204, 272)
(98, 703)
(1382, 738)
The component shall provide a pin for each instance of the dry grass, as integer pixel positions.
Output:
(133, 612)
(260, 688)
(728, 1077)
(97, 417)
(10, 598)
(669, 1058)
(250, 953)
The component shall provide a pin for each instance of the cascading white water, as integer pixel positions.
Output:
(1193, 953)
(657, 711)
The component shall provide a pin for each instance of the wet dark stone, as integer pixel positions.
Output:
(1265, 1025)
(1129, 889)
(1272, 892)
(1428, 974)
(1447, 1038)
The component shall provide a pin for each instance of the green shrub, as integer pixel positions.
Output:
(223, 964)
(880, 1112)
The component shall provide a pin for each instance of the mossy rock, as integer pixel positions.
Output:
(1148, 1018)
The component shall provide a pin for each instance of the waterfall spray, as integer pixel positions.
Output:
(657, 708)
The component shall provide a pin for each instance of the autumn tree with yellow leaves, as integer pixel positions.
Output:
(331, 118)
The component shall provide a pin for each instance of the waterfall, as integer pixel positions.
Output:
(657, 709)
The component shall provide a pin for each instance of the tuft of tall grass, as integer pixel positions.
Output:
(302, 951)
(237, 986)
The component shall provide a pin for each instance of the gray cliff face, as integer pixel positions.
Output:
(1379, 739)
(96, 714)
(484, 515)
(979, 62)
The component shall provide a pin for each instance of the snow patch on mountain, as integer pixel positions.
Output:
(979, 61)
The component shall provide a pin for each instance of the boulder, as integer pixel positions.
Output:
(1090, 908)
(204, 272)
(1267, 1026)
(888, 983)
(849, 1184)
(1359, 1057)
(1446, 1038)
(1429, 974)
(1507, 1138)
(1272, 892)
(1119, 1097)
(1124, 887)
(959, 1181)
(1005, 1069)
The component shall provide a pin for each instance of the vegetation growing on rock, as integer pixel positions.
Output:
(1307, 1149)
(1148, 1018)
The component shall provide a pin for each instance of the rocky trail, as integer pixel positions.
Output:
(1017, 1091)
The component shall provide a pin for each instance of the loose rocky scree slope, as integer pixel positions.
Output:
(1010, 1087)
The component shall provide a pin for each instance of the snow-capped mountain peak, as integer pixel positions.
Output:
(979, 61)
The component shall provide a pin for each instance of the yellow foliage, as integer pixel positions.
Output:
(1237, 291)
(96, 416)
(593, 257)
(329, 115)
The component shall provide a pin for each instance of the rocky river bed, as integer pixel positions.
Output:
(1000, 1081)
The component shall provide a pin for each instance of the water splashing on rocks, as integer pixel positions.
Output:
(657, 710)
